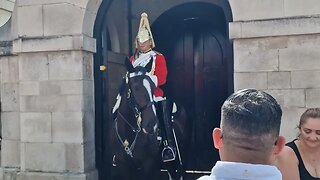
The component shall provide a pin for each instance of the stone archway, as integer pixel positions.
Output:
(102, 33)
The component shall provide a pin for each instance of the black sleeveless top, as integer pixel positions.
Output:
(304, 174)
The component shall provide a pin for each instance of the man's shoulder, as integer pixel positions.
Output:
(206, 178)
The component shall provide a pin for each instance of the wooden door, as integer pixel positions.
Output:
(197, 78)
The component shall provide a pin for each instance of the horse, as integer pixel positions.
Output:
(135, 142)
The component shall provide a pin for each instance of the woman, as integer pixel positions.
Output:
(300, 159)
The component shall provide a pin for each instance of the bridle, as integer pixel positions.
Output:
(137, 114)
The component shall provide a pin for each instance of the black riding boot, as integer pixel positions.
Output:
(168, 152)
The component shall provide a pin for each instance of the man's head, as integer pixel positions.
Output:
(250, 125)
(144, 39)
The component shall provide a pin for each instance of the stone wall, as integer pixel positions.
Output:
(47, 95)
(46, 67)
(278, 52)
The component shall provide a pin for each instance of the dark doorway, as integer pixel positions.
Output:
(193, 37)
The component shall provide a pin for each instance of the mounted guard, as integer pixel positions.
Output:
(143, 55)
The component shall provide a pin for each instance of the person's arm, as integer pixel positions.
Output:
(161, 69)
(287, 162)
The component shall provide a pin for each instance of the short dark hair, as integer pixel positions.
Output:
(309, 113)
(250, 118)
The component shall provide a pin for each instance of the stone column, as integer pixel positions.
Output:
(47, 94)
(279, 52)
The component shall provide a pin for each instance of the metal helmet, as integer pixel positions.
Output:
(144, 32)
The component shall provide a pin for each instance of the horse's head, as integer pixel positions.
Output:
(139, 94)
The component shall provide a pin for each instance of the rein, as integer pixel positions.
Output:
(125, 143)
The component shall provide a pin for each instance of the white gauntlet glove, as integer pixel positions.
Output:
(154, 79)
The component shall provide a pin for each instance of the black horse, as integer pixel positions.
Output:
(135, 141)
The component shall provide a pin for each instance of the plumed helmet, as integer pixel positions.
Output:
(144, 32)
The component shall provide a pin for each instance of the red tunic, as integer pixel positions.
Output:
(160, 71)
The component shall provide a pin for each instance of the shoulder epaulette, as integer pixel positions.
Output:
(158, 53)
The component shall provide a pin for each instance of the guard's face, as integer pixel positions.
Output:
(144, 46)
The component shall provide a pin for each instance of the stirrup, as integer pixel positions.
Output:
(168, 154)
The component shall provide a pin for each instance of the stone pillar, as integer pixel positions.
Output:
(47, 94)
(278, 52)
